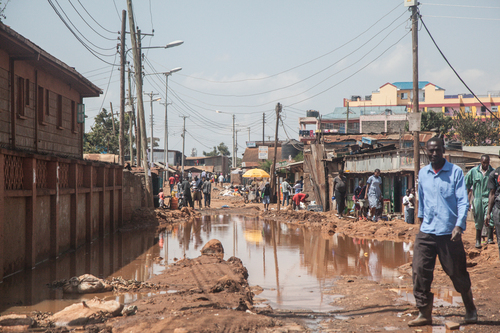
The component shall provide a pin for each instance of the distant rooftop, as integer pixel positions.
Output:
(409, 85)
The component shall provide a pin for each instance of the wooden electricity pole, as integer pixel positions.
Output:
(346, 118)
(273, 166)
(121, 139)
(416, 141)
(140, 104)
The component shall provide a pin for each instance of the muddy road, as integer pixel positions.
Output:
(283, 271)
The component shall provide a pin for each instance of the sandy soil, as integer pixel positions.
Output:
(212, 295)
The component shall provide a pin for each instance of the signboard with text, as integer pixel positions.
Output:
(263, 152)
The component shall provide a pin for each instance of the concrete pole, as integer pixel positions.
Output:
(416, 141)
(234, 147)
(165, 157)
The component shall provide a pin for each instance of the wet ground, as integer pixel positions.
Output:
(328, 282)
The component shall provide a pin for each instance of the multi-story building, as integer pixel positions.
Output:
(431, 98)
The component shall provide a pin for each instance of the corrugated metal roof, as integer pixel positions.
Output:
(423, 137)
(409, 85)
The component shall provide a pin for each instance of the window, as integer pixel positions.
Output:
(73, 117)
(404, 95)
(20, 98)
(27, 95)
(59, 112)
(483, 111)
(40, 105)
(47, 102)
(494, 109)
(467, 109)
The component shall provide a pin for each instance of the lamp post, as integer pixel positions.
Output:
(123, 55)
(233, 160)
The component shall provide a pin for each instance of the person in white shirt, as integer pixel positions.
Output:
(406, 200)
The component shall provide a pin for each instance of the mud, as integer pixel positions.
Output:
(209, 294)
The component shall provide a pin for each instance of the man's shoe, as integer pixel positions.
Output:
(490, 235)
(470, 308)
(478, 239)
(424, 314)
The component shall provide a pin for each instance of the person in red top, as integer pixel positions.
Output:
(176, 178)
(171, 182)
(298, 198)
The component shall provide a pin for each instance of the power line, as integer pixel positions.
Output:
(113, 39)
(74, 34)
(308, 77)
(98, 22)
(465, 18)
(305, 63)
(453, 69)
(465, 6)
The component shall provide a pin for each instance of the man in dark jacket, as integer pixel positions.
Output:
(186, 191)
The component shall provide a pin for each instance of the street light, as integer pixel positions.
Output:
(165, 157)
(234, 146)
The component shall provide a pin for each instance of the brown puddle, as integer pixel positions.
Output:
(292, 264)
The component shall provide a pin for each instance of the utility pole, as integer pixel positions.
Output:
(346, 118)
(416, 141)
(151, 100)
(132, 122)
(140, 102)
(273, 166)
(263, 127)
(234, 147)
(121, 139)
(183, 143)
(248, 133)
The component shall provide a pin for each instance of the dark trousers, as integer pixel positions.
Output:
(495, 216)
(207, 199)
(411, 216)
(171, 187)
(340, 199)
(452, 258)
(286, 197)
(188, 200)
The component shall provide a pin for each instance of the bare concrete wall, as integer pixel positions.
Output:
(132, 193)
(64, 222)
(80, 220)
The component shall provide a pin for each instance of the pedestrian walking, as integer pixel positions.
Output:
(266, 196)
(196, 186)
(286, 188)
(476, 182)
(374, 195)
(340, 190)
(411, 207)
(186, 191)
(442, 212)
(171, 182)
(359, 198)
(206, 188)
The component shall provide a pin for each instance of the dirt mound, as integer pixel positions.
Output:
(206, 292)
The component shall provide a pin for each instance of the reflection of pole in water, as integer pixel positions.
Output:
(264, 257)
(273, 235)
(234, 238)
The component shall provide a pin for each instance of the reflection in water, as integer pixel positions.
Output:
(305, 261)
(302, 265)
(122, 254)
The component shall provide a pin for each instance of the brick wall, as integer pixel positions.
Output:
(373, 127)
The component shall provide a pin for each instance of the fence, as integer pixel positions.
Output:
(49, 205)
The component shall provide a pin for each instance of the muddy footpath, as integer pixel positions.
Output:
(208, 293)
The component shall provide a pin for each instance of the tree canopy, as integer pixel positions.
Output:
(220, 150)
(473, 131)
(102, 139)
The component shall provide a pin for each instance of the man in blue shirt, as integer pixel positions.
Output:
(442, 211)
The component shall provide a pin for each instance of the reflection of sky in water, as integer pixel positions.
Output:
(293, 264)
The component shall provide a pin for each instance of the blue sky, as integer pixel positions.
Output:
(243, 57)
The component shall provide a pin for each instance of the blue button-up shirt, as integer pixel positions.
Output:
(443, 201)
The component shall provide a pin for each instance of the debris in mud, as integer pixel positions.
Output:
(16, 322)
(86, 284)
(87, 312)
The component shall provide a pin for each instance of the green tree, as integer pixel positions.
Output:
(436, 122)
(266, 165)
(101, 139)
(2, 10)
(473, 131)
(299, 157)
(220, 150)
